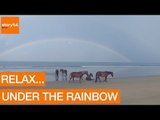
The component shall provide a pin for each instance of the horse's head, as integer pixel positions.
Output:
(86, 72)
(91, 75)
(112, 74)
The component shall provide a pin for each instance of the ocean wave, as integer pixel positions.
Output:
(93, 66)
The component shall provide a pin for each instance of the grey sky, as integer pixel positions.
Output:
(107, 38)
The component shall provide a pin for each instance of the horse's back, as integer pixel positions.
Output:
(98, 73)
(102, 73)
(72, 73)
(76, 74)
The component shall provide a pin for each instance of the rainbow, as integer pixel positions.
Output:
(105, 48)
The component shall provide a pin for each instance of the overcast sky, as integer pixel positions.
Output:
(108, 38)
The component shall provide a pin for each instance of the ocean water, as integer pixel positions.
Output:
(119, 69)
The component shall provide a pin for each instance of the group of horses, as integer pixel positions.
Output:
(80, 75)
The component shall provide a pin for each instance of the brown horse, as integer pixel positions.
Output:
(78, 75)
(103, 74)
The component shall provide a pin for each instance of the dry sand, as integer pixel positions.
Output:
(134, 91)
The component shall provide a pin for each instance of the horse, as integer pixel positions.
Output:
(64, 74)
(78, 75)
(103, 74)
(89, 77)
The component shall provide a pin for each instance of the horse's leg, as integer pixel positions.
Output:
(66, 75)
(56, 77)
(99, 79)
(63, 76)
(70, 79)
(80, 79)
(105, 80)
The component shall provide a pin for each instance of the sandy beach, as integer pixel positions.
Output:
(134, 90)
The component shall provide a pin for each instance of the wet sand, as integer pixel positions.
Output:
(134, 90)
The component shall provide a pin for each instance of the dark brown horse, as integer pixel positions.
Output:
(78, 75)
(64, 74)
(103, 74)
(89, 77)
